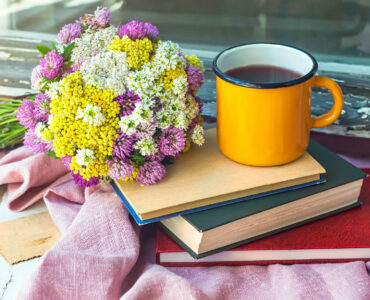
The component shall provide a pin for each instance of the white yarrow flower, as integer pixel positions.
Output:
(107, 69)
(39, 128)
(53, 90)
(84, 156)
(164, 118)
(197, 136)
(146, 146)
(182, 121)
(142, 114)
(168, 56)
(180, 86)
(127, 125)
(91, 114)
(192, 107)
(92, 42)
(50, 118)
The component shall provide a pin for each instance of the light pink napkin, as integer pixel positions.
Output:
(24, 172)
(103, 254)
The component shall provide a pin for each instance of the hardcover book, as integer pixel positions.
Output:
(204, 178)
(208, 232)
(339, 238)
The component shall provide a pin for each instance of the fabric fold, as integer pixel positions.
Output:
(24, 172)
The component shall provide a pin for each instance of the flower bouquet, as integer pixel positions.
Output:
(115, 102)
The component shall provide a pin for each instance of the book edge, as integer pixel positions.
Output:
(360, 174)
(219, 200)
(282, 229)
(141, 221)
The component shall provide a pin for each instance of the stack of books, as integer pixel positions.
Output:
(213, 211)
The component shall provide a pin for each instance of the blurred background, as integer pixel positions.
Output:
(336, 28)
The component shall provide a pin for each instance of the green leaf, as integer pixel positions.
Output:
(155, 40)
(52, 154)
(43, 49)
(53, 46)
(44, 82)
(157, 135)
(68, 50)
(84, 27)
(137, 158)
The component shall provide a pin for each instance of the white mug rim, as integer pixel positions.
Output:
(307, 75)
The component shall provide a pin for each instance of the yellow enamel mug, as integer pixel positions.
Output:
(268, 124)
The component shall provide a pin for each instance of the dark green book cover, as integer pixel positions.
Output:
(338, 172)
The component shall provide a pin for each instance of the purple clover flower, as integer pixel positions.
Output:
(82, 182)
(90, 21)
(68, 33)
(26, 114)
(127, 102)
(66, 160)
(150, 173)
(151, 31)
(74, 68)
(122, 147)
(145, 130)
(120, 168)
(172, 141)
(32, 142)
(42, 107)
(86, 20)
(137, 30)
(36, 77)
(159, 156)
(193, 123)
(52, 64)
(195, 78)
(102, 16)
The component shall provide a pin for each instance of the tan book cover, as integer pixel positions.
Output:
(204, 176)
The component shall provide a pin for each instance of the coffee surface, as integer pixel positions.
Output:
(263, 74)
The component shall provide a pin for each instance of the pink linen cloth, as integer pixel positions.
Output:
(103, 254)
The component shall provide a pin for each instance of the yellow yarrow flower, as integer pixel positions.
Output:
(138, 51)
(71, 133)
(187, 146)
(168, 76)
(46, 135)
(195, 61)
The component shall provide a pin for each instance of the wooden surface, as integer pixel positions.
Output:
(18, 56)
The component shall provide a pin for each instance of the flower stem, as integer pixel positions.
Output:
(8, 121)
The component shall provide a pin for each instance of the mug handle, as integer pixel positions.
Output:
(336, 109)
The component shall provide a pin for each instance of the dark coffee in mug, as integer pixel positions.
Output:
(263, 74)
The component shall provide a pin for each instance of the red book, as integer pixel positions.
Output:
(340, 238)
